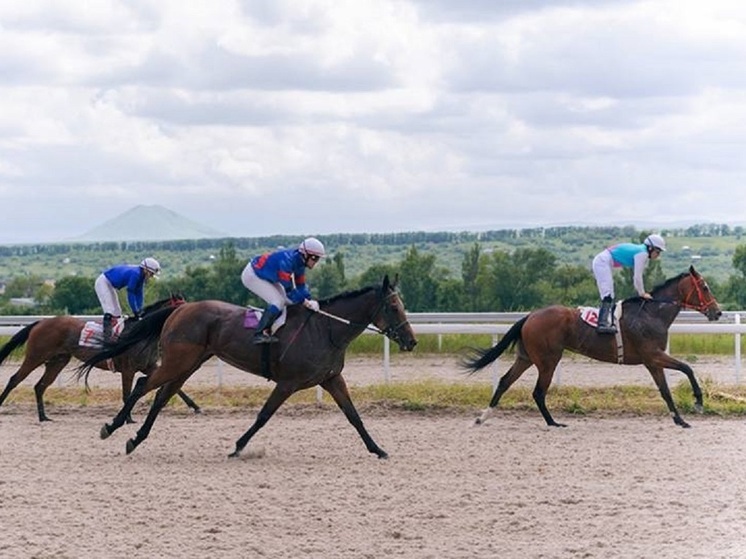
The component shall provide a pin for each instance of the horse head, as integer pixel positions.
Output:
(695, 294)
(391, 318)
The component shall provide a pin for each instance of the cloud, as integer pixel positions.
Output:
(287, 116)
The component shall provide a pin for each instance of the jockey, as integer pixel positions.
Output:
(117, 277)
(624, 255)
(279, 279)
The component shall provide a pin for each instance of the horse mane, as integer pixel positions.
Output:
(657, 288)
(348, 294)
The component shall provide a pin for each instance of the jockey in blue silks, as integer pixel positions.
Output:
(279, 278)
(623, 255)
(118, 277)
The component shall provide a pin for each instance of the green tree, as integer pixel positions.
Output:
(418, 284)
(74, 295)
(469, 274)
(329, 277)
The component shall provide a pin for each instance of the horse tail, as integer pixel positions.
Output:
(147, 329)
(480, 358)
(18, 339)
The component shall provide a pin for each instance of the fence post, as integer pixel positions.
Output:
(386, 359)
(737, 340)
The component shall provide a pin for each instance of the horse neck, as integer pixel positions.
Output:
(359, 311)
(667, 302)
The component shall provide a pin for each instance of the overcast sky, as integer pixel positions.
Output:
(320, 116)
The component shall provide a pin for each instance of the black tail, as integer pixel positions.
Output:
(18, 339)
(480, 358)
(146, 330)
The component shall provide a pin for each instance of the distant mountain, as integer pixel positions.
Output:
(149, 223)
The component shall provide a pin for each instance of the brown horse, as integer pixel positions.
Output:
(544, 334)
(53, 341)
(310, 351)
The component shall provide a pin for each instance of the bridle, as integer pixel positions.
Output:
(391, 332)
(698, 284)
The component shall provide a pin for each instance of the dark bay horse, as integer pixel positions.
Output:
(310, 352)
(53, 341)
(543, 335)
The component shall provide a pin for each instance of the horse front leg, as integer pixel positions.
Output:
(337, 388)
(665, 361)
(660, 380)
(276, 398)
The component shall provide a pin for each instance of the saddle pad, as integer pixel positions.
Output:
(589, 315)
(253, 316)
(93, 332)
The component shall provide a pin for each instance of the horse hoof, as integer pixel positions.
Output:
(131, 446)
(197, 410)
(478, 421)
(698, 408)
(383, 455)
(234, 454)
(104, 433)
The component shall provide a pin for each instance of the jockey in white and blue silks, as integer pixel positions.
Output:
(118, 277)
(279, 278)
(623, 255)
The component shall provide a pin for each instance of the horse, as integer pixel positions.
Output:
(543, 335)
(55, 340)
(310, 351)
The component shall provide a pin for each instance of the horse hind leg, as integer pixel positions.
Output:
(506, 381)
(51, 372)
(27, 367)
(162, 396)
(546, 373)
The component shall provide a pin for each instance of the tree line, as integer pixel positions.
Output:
(491, 280)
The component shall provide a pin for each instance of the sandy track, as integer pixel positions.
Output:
(604, 487)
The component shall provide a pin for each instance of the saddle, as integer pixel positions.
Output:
(92, 333)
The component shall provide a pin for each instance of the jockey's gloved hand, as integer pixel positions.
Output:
(312, 305)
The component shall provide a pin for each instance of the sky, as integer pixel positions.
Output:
(330, 116)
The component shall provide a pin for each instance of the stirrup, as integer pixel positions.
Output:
(606, 329)
(264, 338)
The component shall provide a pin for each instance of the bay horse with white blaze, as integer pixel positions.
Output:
(310, 351)
(543, 335)
(53, 341)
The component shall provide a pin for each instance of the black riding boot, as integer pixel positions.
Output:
(108, 319)
(263, 334)
(605, 318)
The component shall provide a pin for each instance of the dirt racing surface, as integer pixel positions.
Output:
(605, 487)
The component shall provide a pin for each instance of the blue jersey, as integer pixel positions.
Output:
(286, 267)
(131, 277)
(623, 254)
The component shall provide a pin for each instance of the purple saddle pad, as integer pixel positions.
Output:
(251, 318)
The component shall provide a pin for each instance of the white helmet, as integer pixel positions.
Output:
(312, 247)
(151, 265)
(655, 241)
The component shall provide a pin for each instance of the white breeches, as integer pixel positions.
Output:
(603, 268)
(272, 293)
(107, 296)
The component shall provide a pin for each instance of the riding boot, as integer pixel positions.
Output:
(605, 318)
(263, 334)
(108, 319)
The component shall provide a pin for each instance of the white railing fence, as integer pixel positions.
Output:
(492, 323)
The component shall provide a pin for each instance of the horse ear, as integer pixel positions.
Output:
(386, 282)
(692, 270)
